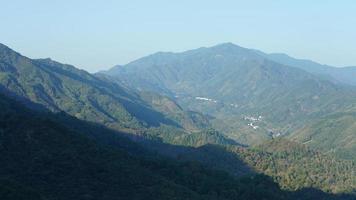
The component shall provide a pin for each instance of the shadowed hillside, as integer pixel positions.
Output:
(43, 159)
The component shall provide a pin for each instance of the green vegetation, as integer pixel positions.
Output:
(295, 166)
(189, 120)
(43, 159)
(334, 133)
(229, 82)
(178, 137)
(292, 165)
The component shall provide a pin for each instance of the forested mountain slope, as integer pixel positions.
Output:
(49, 161)
(251, 97)
(61, 87)
(292, 165)
(334, 133)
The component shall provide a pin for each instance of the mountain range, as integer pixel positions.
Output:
(251, 96)
(224, 122)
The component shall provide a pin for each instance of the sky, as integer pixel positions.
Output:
(98, 34)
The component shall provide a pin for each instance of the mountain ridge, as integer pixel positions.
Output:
(229, 82)
(343, 75)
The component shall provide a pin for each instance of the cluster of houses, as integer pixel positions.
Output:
(206, 99)
(252, 119)
(252, 126)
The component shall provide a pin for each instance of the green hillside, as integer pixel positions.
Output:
(292, 165)
(334, 133)
(236, 86)
(190, 120)
(61, 87)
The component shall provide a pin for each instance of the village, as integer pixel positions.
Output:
(252, 119)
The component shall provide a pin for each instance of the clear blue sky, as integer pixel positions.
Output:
(95, 35)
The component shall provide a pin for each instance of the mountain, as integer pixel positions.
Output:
(44, 83)
(63, 87)
(250, 97)
(345, 75)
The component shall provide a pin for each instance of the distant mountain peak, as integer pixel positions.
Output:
(234, 50)
(228, 45)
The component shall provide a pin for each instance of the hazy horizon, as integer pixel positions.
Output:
(98, 35)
